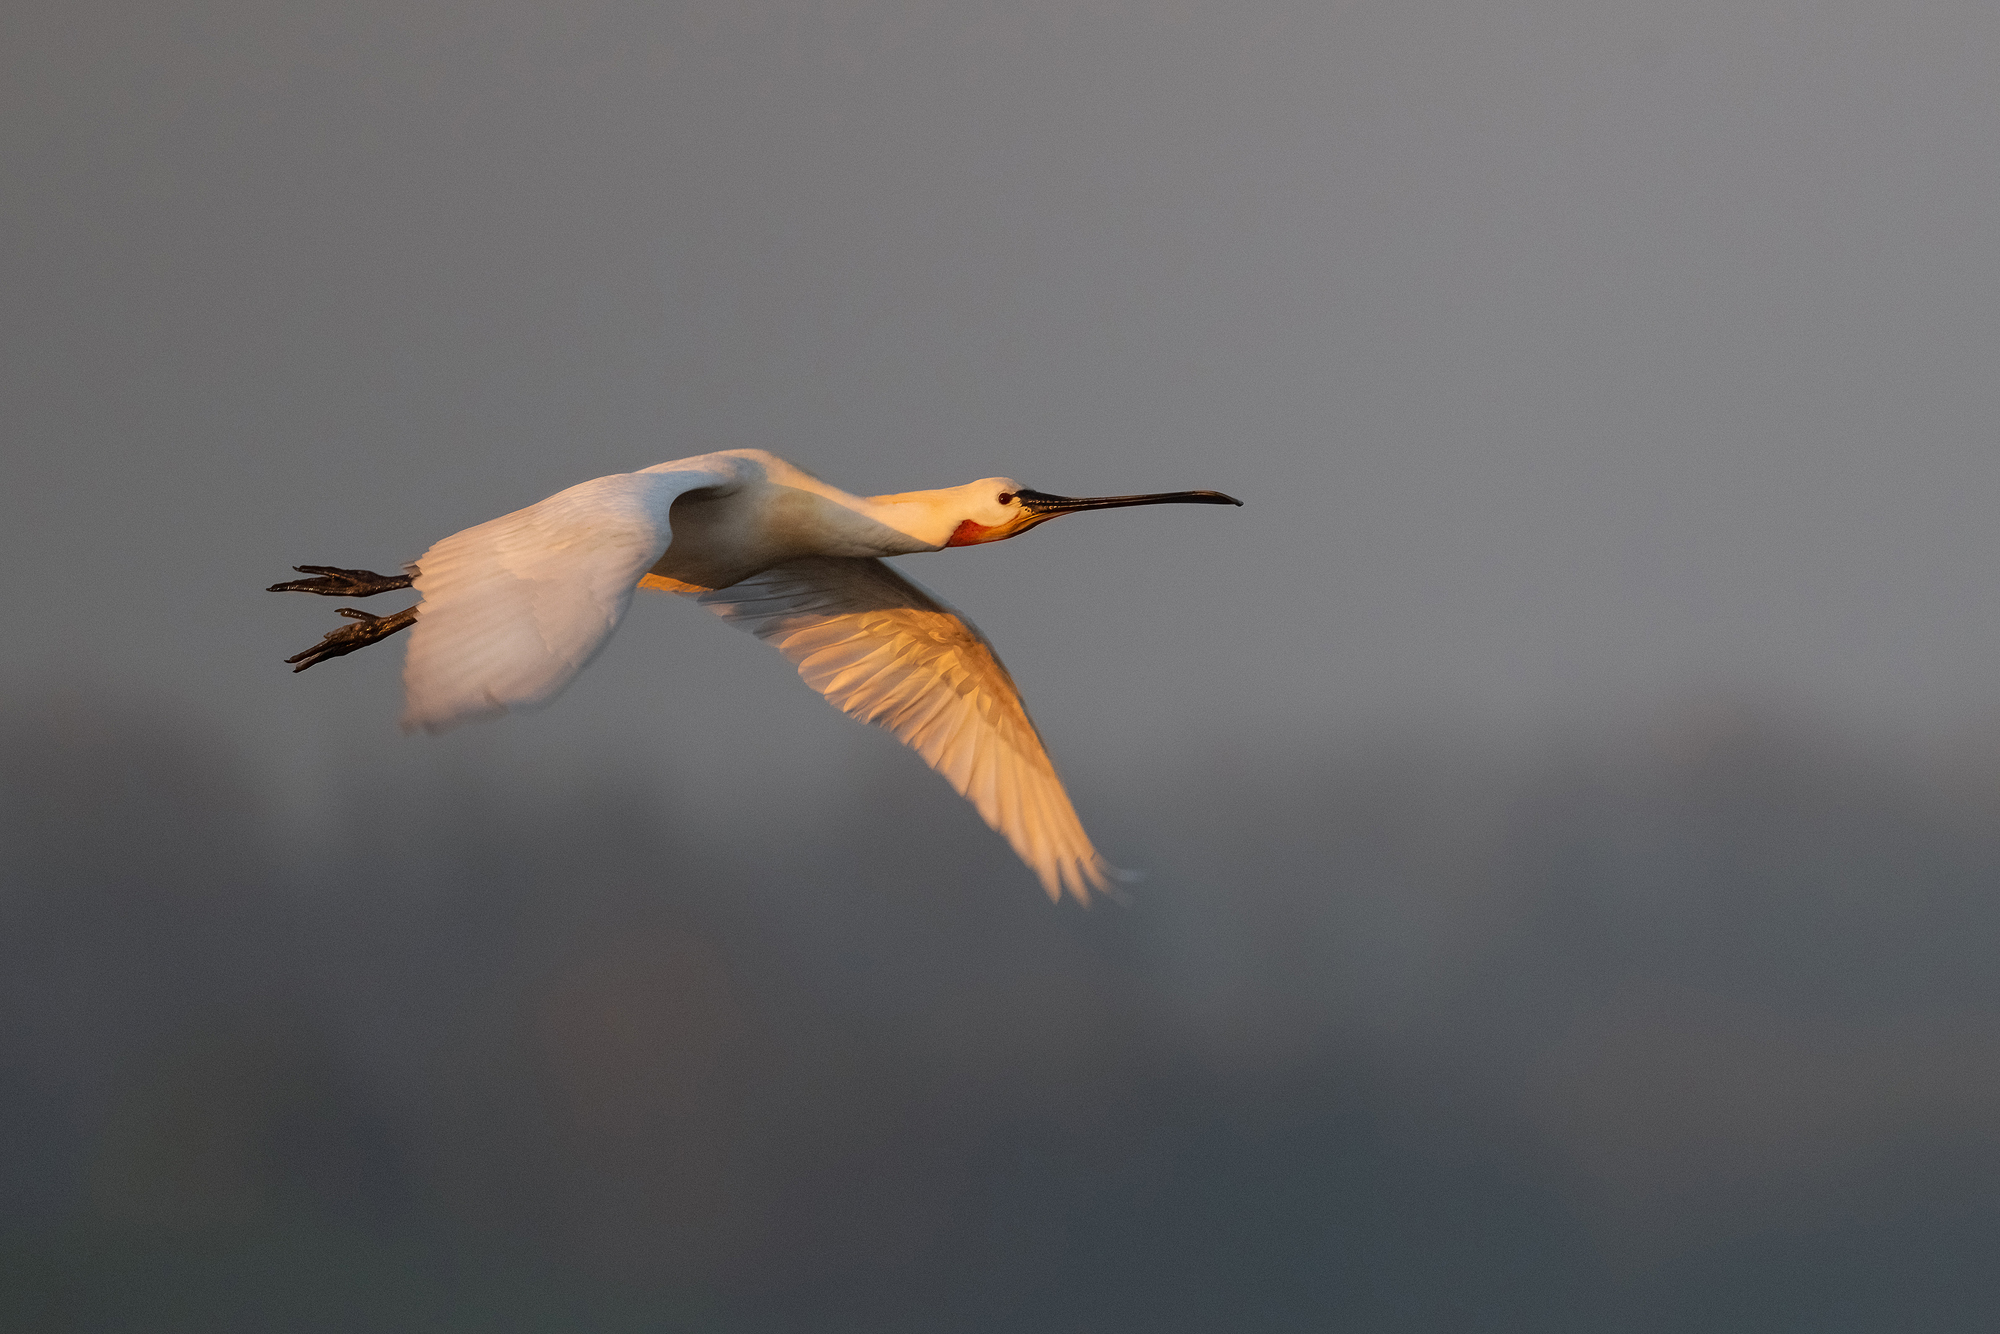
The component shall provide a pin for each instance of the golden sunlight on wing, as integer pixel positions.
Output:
(884, 651)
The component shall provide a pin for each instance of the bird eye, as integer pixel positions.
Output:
(1006, 497)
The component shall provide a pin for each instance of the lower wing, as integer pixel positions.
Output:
(884, 651)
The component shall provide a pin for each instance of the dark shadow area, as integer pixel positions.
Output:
(1694, 1030)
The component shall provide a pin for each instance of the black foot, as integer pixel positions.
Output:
(365, 631)
(335, 582)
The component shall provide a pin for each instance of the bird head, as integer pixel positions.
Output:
(998, 508)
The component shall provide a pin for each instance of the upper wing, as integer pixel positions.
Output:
(516, 607)
(884, 651)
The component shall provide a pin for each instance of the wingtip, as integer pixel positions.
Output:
(1081, 878)
(412, 723)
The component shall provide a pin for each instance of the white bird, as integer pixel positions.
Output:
(514, 608)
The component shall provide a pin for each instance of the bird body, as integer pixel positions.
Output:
(515, 607)
(770, 511)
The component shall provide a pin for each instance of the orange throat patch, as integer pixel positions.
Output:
(970, 534)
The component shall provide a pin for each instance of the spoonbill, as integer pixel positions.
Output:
(514, 608)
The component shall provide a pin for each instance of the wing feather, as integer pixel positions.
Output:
(884, 651)
(514, 608)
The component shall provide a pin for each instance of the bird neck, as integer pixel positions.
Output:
(930, 518)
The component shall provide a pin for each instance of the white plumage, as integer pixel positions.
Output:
(515, 607)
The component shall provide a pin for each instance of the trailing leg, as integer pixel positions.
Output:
(366, 630)
(335, 582)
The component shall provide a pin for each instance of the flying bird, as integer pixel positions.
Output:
(514, 608)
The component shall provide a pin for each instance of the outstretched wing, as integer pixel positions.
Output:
(886, 652)
(516, 607)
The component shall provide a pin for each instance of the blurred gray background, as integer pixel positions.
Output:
(1568, 787)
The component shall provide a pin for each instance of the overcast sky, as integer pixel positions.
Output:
(1569, 355)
